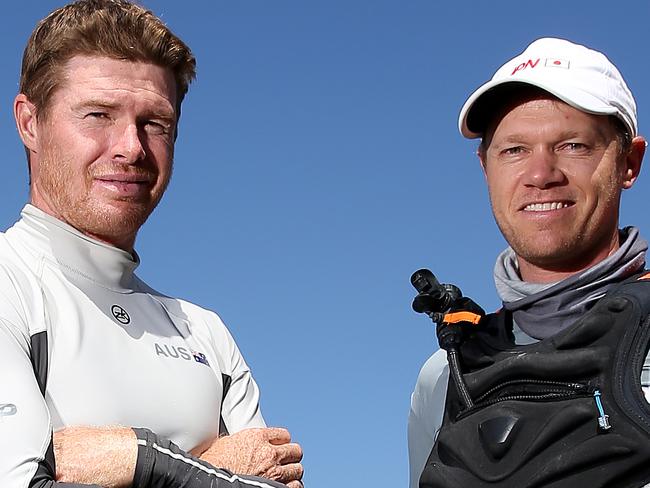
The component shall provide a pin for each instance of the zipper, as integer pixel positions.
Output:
(552, 390)
(603, 420)
(541, 391)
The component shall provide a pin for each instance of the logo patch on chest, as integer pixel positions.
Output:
(120, 315)
(7, 410)
(199, 357)
(175, 352)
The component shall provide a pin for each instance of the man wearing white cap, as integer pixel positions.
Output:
(554, 383)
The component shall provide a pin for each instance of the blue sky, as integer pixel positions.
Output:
(318, 165)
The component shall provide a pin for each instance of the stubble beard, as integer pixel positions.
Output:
(111, 221)
(563, 248)
(547, 253)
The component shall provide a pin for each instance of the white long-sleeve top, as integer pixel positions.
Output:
(120, 353)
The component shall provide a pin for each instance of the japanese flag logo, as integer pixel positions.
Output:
(557, 63)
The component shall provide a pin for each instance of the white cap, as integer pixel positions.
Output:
(579, 76)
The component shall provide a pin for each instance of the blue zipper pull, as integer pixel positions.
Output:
(603, 420)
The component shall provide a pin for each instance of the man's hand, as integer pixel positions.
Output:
(104, 456)
(266, 452)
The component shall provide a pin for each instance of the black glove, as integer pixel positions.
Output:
(458, 322)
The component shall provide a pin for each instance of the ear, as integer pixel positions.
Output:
(26, 122)
(633, 161)
(480, 153)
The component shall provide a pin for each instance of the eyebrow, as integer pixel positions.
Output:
(100, 103)
(95, 103)
(598, 131)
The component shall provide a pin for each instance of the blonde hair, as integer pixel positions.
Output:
(117, 29)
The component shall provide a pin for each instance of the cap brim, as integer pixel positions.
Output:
(482, 105)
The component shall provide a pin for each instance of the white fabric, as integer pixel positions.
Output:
(162, 370)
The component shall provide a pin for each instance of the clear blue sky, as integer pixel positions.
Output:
(318, 165)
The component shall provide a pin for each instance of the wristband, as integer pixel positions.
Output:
(162, 464)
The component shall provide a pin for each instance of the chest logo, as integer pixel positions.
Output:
(199, 357)
(180, 353)
(120, 314)
(7, 409)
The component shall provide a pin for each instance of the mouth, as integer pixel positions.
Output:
(546, 206)
(124, 178)
(125, 185)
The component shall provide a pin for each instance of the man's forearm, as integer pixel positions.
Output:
(104, 456)
(162, 464)
(122, 457)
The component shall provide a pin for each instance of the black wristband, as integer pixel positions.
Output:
(145, 459)
(162, 464)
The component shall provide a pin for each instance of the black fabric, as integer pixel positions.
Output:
(46, 468)
(535, 421)
(226, 380)
(162, 464)
(39, 358)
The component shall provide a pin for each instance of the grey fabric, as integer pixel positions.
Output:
(542, 310)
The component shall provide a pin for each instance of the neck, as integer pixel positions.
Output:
(125, 242)
(535, 274)
(553, 272)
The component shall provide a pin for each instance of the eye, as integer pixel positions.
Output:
(574, 147)
(512, 151)
(156, 128)
(97, 115)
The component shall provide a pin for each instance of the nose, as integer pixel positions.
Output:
(542, 169)
(127, 146)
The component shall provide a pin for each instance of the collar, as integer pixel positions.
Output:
(76, 253)
(541, 310)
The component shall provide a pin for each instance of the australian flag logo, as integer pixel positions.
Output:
(199, 357)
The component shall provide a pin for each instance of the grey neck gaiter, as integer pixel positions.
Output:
(543, 309)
